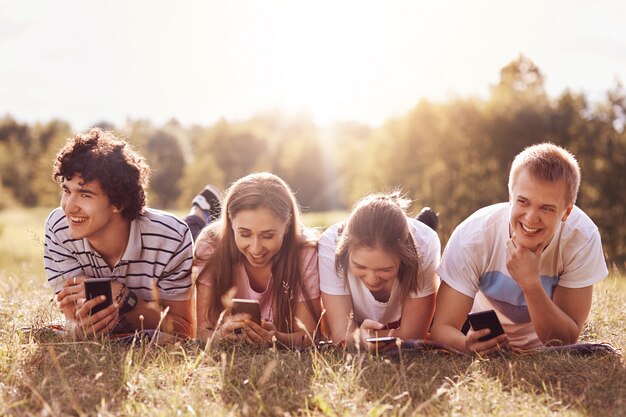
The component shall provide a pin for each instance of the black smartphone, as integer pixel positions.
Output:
(252, 307)
(95, 287)
(382, 340)
(486, 320)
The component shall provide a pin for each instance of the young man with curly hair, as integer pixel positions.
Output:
(104, 230)
(533, 260)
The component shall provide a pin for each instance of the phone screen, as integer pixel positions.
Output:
(95, 287)
(252, 307)
(486, 320)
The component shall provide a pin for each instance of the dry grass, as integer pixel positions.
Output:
(44, 374)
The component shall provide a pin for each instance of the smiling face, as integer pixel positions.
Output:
(88, 209)
(376, 268)
(259, 235)
(537, 208)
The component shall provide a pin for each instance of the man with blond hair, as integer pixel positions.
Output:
(533, 260)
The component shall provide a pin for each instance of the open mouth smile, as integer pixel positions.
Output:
(257, 258)
(529, 230)
(77, 219)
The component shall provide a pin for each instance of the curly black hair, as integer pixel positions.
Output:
(101, 155)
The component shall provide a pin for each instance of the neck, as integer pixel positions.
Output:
(111, 244)
(381, 295)
(258, 276)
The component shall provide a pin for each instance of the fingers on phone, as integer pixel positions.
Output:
(241, 317)
(491, 346)
(98, 324)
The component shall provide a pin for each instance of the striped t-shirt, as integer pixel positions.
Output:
(158, 254)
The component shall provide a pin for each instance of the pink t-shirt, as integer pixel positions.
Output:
(310, 276)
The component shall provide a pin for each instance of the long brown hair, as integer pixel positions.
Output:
(380, 221)
(260, 190)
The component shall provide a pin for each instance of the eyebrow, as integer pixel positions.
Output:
(377, 269)
(521, 197)
(245, 229)
(549, 205)
(80, 190)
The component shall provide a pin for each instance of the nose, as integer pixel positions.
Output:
(370, 279)
(532, 215)
(256, 246)
(67, 202)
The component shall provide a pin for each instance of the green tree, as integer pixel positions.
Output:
(167, 163)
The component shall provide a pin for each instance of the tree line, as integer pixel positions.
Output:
(453, 156)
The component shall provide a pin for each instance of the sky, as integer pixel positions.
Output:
(199, 61)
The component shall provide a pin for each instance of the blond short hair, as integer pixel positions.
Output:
(548, 162)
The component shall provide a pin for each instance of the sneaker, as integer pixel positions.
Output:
(210, 202)
(429, 218)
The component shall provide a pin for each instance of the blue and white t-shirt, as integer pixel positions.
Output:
(474, 263)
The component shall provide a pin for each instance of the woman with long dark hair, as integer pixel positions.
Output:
(259, 247)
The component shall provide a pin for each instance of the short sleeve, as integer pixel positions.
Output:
(175, 284)
(458, 267)
(60, 262)
(331, 282)
(587, 266)
(310, 274)
(430, 256)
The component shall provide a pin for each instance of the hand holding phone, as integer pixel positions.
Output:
(486, 320)
(96, 287)
(251, 307)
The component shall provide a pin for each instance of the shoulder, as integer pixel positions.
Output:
(423, 235)
(57, 229)
(308, 254)
(579, 226)
(56, 221)
(152, 220)
(482, 224)
(330, 235)
(205, 244)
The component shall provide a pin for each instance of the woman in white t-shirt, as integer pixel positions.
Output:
(260, 248)
(378, 272)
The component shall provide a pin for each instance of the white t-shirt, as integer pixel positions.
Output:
(474, 263)
(364, 305)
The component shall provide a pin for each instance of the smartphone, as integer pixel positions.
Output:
(486, 320)
(382, 340)
(252, 307)
(95, 287)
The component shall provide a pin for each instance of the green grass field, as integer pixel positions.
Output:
(42, 374)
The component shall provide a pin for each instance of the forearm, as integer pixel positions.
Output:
(449, 335)
(147, 315)
(550, 322)
(417, 315)
(403, 333)
(342, 333)
(296, 339)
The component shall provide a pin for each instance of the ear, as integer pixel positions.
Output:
(567, 213)
(116, 210)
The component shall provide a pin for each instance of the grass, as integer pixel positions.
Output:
(44, 374)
